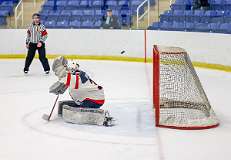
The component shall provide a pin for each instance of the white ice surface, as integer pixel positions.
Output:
(25, 136)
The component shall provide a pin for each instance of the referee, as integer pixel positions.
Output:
(36, 37)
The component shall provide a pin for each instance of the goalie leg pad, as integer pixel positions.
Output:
(68, 103)
(83, 115)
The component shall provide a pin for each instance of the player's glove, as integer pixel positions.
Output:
(58, 88)
(59, 67)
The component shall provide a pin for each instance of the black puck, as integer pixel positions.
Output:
(122, 52)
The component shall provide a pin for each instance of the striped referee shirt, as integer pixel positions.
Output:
(36, 33)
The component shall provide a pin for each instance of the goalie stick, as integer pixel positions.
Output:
(47, 117)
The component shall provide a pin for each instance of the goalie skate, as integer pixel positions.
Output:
(108, 120)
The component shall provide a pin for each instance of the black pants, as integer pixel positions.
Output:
(204, 3)
(200, 3)
(42, 56)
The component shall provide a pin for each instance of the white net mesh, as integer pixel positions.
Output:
(183, 102)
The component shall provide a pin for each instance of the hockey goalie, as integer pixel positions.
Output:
(87, 97)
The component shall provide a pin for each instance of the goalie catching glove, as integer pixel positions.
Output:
(58, 88)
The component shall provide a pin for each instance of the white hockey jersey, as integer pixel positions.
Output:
(81, 88)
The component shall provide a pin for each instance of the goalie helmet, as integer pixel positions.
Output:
(73, 66)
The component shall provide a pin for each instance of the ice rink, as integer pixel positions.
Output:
(24, 135)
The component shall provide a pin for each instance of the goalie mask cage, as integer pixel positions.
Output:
(178, 97)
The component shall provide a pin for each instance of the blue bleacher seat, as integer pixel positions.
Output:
(50, 24)
(225, 28)
(97, 3)
(226, 13)
(165, 25)
(98, 18)
(50, 18)
(84, 3)
(216, 20)
(227, 16)
(72, 5)
(111, 4)
(198, 14)
(178, 7)
(210, 13)
(89, 12)
(189, 26)
(66, 13)
(214, 27)
(62, 24)
(2, 20)
(54, 13)
(48, 5)
(202, 27)
(44, 14)
(75, 24)
(63, 18)
(178, 15)
(14, 1)
(61, 4)
(180, 2)
(124, 3)
(155, 26)
(220, 13)
(216, 4)
(4, 13)
(208, 16)
(97, 24)
(125, 12)
(76, 18)
(178, 26)
(135, 4)
(99, 12)
(78, 12)
(87, 24)
(227, 5)
(166, 16)
(181, 5)
(189, 15)
(7, 6)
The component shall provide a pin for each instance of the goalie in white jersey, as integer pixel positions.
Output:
(87, 96)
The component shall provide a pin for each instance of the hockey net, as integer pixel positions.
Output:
(178, 96)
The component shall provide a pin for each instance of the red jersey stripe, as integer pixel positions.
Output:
(68, 79)
(77, 82)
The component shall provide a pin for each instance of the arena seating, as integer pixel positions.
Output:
(6, 9)
(182, 18)
(86, 13)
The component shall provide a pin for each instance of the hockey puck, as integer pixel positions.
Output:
(122, 52)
